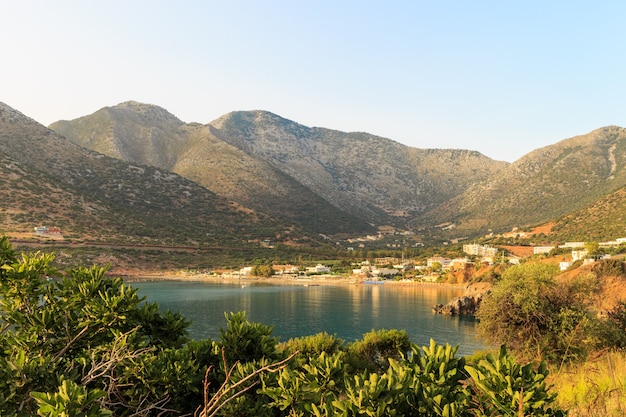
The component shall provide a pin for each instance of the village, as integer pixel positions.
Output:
(393, 269)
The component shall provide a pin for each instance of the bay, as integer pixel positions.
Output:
(347, 311)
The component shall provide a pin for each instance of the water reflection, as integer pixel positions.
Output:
(348, 311)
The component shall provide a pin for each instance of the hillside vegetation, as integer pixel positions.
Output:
(334, 182)
(54, 182)
(545, 184)
(255, 176)
(602, 220)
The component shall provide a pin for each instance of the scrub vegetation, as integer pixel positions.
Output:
(78, 343)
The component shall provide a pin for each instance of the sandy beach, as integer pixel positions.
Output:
(136, 276)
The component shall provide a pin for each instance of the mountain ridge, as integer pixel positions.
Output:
(90, 194)
(363, 176)
(332, 182)
(545, 184)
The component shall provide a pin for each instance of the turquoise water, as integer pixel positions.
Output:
(347, 311)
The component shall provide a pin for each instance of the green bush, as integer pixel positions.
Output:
(609, 267)
(537, 318)
(438, 387)
(372, 353)
(71, 400)
(313, 345)
(83, 328)
(245, 341)
(502, 387)
(313, 386)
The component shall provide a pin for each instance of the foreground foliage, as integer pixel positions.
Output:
(538, 317)
(595, 388)
(76, 343)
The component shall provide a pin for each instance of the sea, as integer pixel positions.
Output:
(347, 311)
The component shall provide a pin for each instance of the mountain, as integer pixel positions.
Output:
(363, 174)
(323, 180)
(602, 220)
(47, 180)
(147, 134)
(545, 184)
(331, 182)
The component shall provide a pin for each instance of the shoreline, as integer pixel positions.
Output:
(327, 280)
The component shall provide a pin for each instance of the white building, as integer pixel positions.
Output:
(573, 245)
(542, 249)
(319, 269)
(480, 250)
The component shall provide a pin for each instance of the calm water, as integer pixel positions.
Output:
(348, 311)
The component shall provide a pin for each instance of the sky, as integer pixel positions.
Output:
(499, 77)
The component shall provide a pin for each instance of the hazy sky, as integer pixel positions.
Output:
(499, 77)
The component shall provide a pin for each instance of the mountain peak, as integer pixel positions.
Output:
(249, 116)
(146, 112)
(9, 114)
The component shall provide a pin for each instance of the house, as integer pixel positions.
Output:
(386, 261)
(445, 263)
(285, 269)
(44, 230)
(245, 271)
(460, 263)
(318, 269)
(385, 272)
(573, 245)
(480, 250)
(537, 250)
(40, 230)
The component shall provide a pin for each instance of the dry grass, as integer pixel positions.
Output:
(596, 388)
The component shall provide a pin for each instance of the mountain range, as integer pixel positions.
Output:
(255, 175)
(48, 180)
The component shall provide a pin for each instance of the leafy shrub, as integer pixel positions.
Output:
(86, 329)
(502, 387)
(71, 400)
(437, 388)
(312, 346)
(316, 385)
(609, 267)
(372, 353)
(245, 341)
(529, 313)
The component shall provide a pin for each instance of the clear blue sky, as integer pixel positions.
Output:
(499, 77)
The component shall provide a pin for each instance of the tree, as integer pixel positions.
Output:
(534, 316)
(265, 271)
(80, 328)
(593, 248)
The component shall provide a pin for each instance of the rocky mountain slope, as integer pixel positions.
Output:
(48, 180)
(323, 179)
(602, 220)
(146, 134)
(545, 184)
(332, 182)
(360, 173)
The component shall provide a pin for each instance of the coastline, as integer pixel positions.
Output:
(141, 276)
